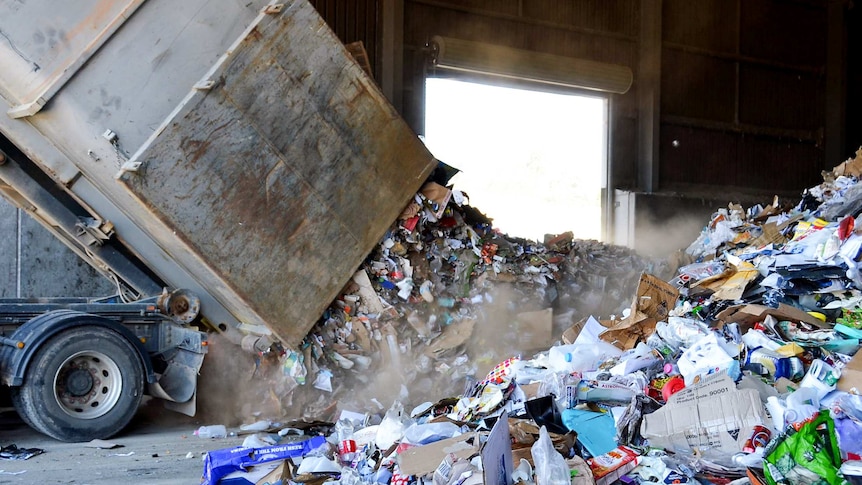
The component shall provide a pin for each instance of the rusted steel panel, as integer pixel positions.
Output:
(286, 173)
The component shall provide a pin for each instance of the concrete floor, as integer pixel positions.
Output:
(156, 443)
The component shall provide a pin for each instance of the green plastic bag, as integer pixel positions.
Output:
(809, 456)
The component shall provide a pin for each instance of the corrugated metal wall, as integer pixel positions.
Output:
(352, 21)
(602, 30)
(743, 87)
(743, 82)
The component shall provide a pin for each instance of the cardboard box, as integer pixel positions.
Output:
(851, 375)
(654, 298)
(712, 413)
(608, 468)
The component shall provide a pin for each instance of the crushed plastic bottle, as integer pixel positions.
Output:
(214, 431)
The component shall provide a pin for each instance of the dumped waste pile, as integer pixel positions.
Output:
(736, 367)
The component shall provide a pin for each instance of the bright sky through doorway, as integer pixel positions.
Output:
(532, 161)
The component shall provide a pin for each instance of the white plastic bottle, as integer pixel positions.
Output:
(560, 357)
(822, 377)
(214, 431)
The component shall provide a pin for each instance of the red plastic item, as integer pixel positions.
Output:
(845, 227)
(671, 387)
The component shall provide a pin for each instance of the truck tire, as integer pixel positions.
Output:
(82, 384)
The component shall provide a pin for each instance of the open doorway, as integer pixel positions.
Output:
(535, 162)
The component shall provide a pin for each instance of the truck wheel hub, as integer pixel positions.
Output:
(79, 382)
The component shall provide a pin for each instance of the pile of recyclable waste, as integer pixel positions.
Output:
(434, 364)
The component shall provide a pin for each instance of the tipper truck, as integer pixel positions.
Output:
(224, 163)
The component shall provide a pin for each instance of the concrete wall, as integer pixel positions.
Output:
(33, 263)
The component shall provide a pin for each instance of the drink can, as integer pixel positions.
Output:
(346, 449)
(759, 437)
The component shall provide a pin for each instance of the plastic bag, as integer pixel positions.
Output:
(392, 427)
(292, 365)
(808, 456)
(551, 468)
(422, 434)
(680, 333)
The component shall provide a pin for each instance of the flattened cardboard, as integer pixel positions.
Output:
(572, 332)
(497, 454)
(626, 334)
(580, 470)
(711, 414)
(747, 315)
(423, 460)
(851, 166)
(452, 337)
(851, 375)
(734, 286)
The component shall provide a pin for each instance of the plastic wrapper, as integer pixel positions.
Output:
(292, 365)
(551, 468)
(847, 413)
(681, 332)
(422, 434)
(629, 424)
(695, 272)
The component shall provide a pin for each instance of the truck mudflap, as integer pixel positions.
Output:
(177, 384)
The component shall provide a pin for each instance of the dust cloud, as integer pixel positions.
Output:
(409, 366)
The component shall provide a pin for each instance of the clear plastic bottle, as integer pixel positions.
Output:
(214, 431)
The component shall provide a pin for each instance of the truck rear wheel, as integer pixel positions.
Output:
(84, 383)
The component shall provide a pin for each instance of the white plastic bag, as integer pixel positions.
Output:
(551, 468)
(392, 427)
